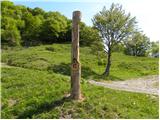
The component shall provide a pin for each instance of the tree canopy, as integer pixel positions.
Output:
(114, 26)
(26, 26)
(137, 45)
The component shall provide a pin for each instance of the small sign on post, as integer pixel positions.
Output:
(75, 66)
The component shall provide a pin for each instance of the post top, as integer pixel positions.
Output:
(77, 13)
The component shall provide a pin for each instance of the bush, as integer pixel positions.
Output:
(137, 45)
(101, 62)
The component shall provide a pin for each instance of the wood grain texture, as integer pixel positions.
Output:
(76, 67)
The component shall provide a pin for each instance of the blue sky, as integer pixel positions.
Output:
(146, 11)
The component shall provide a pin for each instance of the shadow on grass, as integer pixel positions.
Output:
(62, 68)
(43, 108)
(114, 78)
(86, 72)
(65, 69)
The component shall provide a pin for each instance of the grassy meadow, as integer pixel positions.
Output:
(37, 78)
(56, 58)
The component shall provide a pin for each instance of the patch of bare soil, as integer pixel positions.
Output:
(148, 84)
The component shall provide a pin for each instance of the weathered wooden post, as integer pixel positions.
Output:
(75, 66)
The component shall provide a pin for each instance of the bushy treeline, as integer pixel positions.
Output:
(27, 27)
(24, 26)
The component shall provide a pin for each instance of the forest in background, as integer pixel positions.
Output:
(24, 26)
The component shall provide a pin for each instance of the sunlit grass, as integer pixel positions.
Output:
(57, 57)
(28, 93)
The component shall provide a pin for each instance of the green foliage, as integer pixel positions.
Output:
(119, 48)
(154, 49)
(38, 11)
(114, 26)
(54, 26)
(31, 32)
(6, 4)
(29, 27)
(137, 45)
(88, 35)
(9, 32)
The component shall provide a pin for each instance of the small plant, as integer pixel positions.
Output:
(101, 62)
(50, 49)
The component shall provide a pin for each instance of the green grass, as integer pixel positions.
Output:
(56, 58)
(28, 93)
(40, 78)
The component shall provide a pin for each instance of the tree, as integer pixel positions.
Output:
(11, 24)
(68, 35)
(154, 49)
(54, 26)
(137, 45)
(6, 4)
(38, 11)
(31, 34)
(88, 35)
(11, 37)
(114, 26)
(9, 32)
(120, 47)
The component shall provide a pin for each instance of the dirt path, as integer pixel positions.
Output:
(147, 85)
(4, 65)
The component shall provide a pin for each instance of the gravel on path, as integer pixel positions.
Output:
(148, 84)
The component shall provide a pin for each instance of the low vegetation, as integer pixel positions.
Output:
(38, 78)
(29, 93)
(56, 58)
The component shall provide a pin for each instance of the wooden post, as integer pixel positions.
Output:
(75, 66)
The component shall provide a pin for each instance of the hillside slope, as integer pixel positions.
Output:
(37, 79)
(56, 58)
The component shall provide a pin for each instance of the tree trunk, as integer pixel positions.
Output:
(76, 67)
(107, 70)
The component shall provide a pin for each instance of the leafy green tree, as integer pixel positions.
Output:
(68, 35)
(9, 32)
(137, 45)
(88, 36)
(32, 30)
(120, 47)
(11, 24)
(6, 5)
(114, 26)
(54, 26)
(154, 49)
(38, 11)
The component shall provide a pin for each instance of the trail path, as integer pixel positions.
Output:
(148, 84)
(4, 65)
